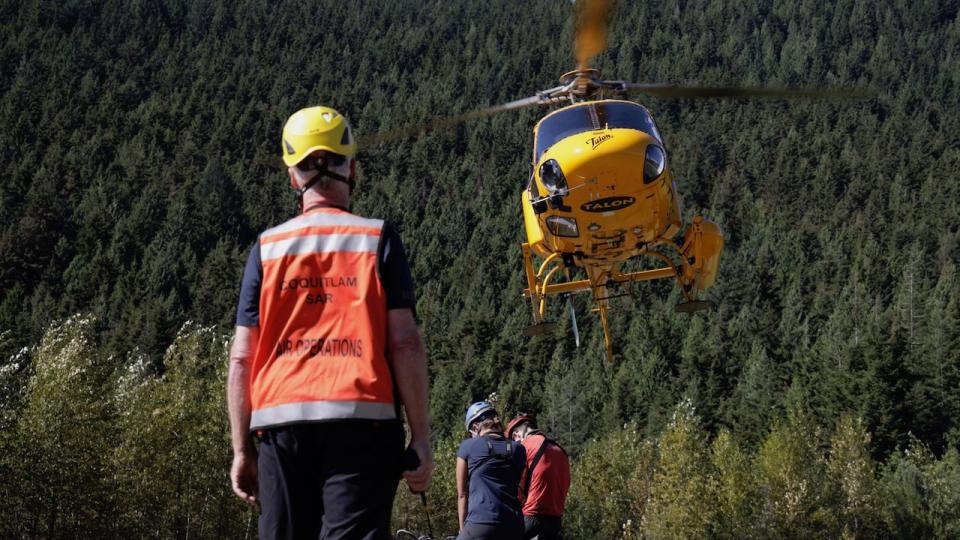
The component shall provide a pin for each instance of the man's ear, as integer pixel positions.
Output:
(293, 179)
(353, 167)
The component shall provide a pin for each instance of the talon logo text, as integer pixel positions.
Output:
(596, 141)
(607, 204)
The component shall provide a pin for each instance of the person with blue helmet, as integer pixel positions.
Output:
(488, 478)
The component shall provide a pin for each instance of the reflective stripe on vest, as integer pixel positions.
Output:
(322, 348)
(320, 243)
(321, 410)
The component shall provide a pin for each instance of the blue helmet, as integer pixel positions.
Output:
(477, 410)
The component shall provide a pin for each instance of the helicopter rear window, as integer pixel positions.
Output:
(615, 114)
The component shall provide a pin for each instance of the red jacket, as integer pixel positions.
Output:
(551, 478)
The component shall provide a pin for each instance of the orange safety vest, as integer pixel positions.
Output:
(321, 354)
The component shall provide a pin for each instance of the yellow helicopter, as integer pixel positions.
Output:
(600, 193)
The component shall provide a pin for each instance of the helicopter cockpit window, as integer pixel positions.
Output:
(591, 117)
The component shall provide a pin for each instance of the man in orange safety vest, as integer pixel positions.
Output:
(325, 352)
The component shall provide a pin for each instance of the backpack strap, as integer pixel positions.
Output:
(492, 453)
(533, 464)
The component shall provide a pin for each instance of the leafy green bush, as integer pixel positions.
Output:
(58, 454)
(683, 499)
(608, 492)
(919, 495)
(172, 459)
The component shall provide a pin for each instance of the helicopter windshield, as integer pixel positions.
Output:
(591, 117)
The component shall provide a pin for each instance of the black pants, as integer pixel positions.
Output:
(332, 480)
(542, 527)
(490, 531)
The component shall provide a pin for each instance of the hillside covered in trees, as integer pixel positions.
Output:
(139, 160)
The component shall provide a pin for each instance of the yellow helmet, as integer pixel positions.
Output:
(316, 128)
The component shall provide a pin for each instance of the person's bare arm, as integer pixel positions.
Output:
(243, 472)
(408, 360)
(463, 490)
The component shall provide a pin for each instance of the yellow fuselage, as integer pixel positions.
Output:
(616, 213)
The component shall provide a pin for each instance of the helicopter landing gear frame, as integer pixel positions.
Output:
(601, 278)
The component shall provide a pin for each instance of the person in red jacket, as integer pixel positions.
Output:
(545, 481)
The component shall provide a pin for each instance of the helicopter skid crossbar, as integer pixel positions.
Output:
(539, 288)
(585, 284)
(600, 278)
(608, 297)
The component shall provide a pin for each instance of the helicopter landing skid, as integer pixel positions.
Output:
(539, 329)
(694, 306)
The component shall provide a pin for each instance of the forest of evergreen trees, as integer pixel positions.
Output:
(139, 158)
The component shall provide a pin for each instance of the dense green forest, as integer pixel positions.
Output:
(139, 159)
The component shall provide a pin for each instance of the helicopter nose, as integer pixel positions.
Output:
(600, 153)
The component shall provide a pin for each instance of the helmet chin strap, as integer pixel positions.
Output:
(321, 173)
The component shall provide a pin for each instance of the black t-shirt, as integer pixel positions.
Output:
(392, 266)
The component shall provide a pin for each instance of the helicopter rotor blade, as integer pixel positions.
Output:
(698, 92)
(438, 123)
(590, 40)
(590, 37)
